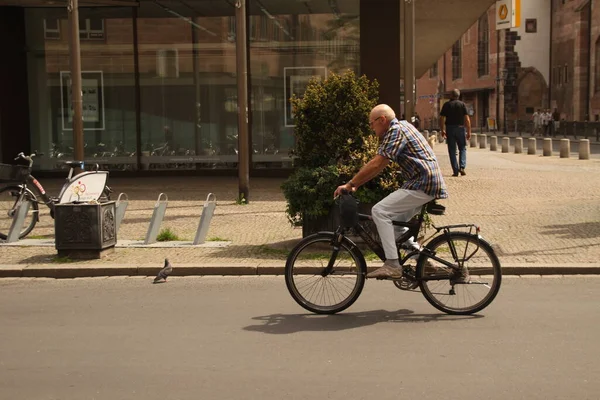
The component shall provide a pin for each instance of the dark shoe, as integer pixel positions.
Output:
(386, 272)
(455, 174)
(462, 172)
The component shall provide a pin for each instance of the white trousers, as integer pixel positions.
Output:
(401, 206)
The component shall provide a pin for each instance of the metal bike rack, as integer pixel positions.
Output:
(121, 208)
(21, 210)
(207, 213)
(157, 216)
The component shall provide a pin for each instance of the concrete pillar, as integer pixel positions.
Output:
(518, 145)
(425, 133)
(474, 140)
(531, 146)
(483, 141)
(565, 148)
(547, 152)
(505, 144)
(494, 143)
(584, 149)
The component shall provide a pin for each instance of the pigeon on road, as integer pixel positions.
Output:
(164, 272)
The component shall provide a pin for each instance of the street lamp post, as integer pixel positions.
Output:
(75, 66)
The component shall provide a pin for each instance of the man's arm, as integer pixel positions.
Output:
(468, 126)
(366, 173)
(442, 125)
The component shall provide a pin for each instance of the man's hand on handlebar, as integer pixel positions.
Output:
(344, 189)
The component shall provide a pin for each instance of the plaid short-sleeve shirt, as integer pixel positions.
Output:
(404, 144)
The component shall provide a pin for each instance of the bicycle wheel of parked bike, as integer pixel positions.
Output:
(467, 290)
(9, 196)
(322, 279)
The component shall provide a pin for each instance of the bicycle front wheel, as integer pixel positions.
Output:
(463, 278)
(9, 196)
(322, 279)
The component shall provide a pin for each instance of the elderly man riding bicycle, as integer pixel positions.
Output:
(400, 142)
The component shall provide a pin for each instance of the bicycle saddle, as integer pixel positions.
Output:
(73, 164)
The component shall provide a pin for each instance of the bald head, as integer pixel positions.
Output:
(383, 110)
(380, 119)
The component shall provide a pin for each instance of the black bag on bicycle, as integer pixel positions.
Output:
(348, 211)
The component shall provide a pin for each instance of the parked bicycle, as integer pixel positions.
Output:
(325, 272)
(83, 187)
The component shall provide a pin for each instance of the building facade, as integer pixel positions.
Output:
(551, 61)
(159, 77)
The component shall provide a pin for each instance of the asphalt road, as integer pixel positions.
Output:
(245, 338)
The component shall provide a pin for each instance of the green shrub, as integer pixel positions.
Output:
(332, 118)
(333, 141)
(309, 192)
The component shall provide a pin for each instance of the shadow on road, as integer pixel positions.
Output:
(281, 324)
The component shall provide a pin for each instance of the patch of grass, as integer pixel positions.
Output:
(38, 237)
(62, 260)
(217, 239)
(271, 251)
(167, 235)
(370, 256)
(241, 200)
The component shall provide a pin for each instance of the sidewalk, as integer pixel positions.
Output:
(542, 214)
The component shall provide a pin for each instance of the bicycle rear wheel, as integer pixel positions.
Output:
(9, 196)
(317, 288)
(441, 284)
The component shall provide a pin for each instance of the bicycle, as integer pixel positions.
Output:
(325, 272)
(83, 187)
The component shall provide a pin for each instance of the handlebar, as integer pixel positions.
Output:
(29, 158)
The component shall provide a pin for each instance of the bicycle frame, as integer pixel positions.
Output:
(414, 227)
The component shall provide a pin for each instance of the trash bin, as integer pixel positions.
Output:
(85, 230)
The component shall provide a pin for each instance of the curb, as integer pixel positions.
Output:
(67, 271)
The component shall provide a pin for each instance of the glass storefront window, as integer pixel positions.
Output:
(108, 86)
(291, 43)
(187, 79)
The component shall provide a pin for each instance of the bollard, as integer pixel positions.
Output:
(207, 212)
(531, 146)
(494, 143)
(474, 139)
(518, 145)
(21, 210)
(584, 149)
(483, 142)
(121, 207)
(157, 216)
(547, 151)
(425, 134)
(505, 144)
(565, 148)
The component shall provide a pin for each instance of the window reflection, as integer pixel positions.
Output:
(187, 79)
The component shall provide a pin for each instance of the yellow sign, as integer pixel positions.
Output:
(503, 11)
(508, 14)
